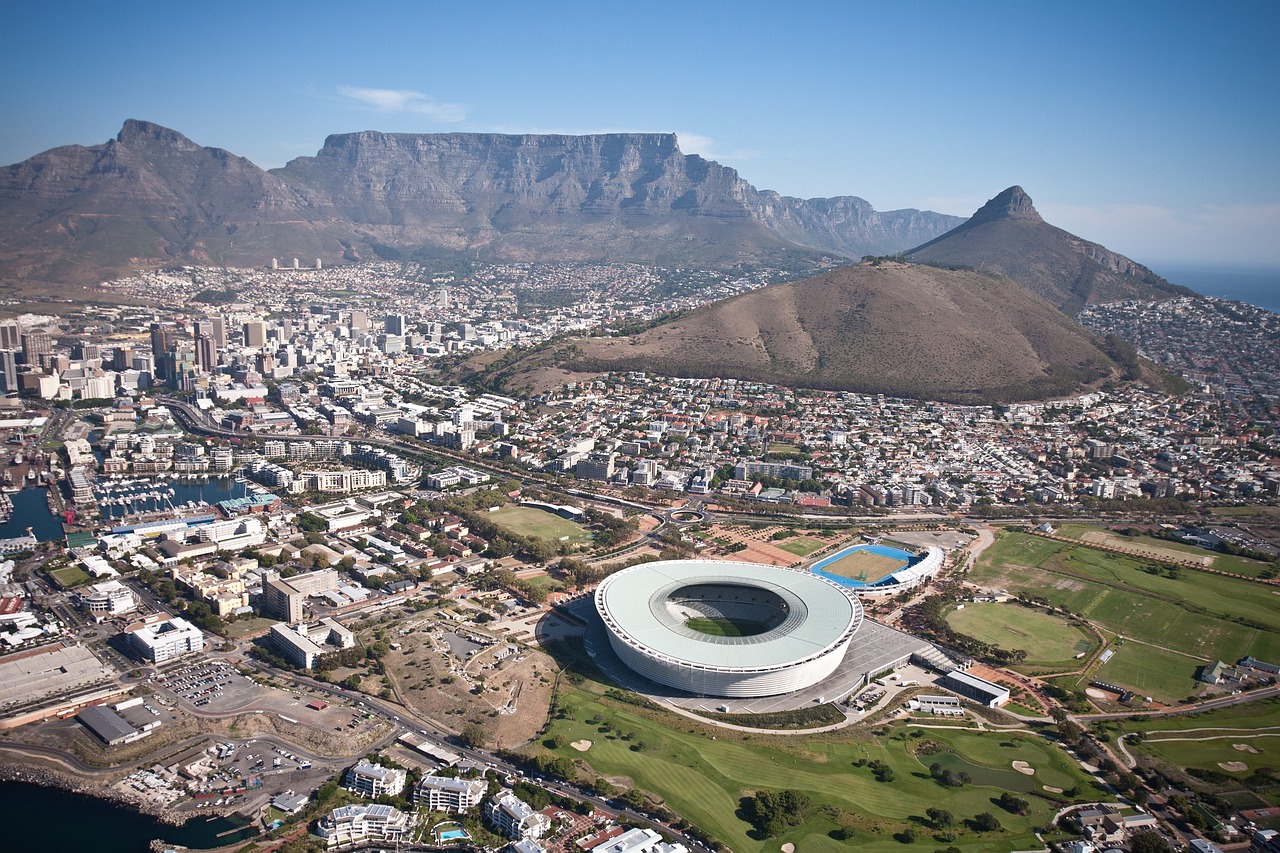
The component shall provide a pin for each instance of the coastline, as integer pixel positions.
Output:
(47, 778)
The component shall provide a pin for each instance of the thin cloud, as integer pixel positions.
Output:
(705, 147)
(404, 101)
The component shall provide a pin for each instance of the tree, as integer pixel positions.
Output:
(986, 822)
(352, 681)
(1147, 841)
(474, 736)
(940, 818)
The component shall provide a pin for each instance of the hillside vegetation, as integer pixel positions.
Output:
(887, 327)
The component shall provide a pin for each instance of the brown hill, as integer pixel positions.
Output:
(903, 329)
(1008, 237)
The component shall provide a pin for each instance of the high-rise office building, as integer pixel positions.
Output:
(395, 324)
(9, 370)
(10, 335)
(36, 343)
(159, 347)
(255, 333)
(206, 353)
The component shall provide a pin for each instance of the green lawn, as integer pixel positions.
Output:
(1221, 562)
(1210, 738)
(528, 521)
(705, 779)
(1209, 751)
(1263, 714)
(1048, 640)
(69, 576)
(726, 627)
(1165, 676)
(801, 546)
(1192, 612)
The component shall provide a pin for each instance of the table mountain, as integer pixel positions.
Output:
(152, 196)
(1008, 236)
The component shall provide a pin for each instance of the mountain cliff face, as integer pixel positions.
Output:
(1008, 236)
(152, 196)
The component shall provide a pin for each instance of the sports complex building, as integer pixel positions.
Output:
(912, 570)
(731, 629)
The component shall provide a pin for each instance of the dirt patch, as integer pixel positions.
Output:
(581, 745)
(621, 781)
(1233, 766)
(1244, 747)
(1095, 693)
(1024, 768)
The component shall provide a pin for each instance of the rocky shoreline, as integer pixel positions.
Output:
(65, 782)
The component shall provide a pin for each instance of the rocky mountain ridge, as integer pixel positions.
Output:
(152, 196)
(1007, 236)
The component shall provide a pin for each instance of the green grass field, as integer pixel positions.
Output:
(1191, 612)
(864, 566)
(1207, 739)
(704, 779)
(1210, 751)
(1165, 676)
(801, 546)
(1221, 562)
(726, 627)
(1048, 640)
(528, 521)
(69, 576)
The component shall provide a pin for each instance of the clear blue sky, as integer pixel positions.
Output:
(1149, 127)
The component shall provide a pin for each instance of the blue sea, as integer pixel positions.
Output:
(1260, 287)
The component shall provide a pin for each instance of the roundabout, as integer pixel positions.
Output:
(727, 629)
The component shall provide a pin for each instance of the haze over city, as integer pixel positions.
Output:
(1148, 128)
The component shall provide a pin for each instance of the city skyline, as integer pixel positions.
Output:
(1146, 128)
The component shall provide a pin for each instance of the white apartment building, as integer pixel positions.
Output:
(358, 823)
(443, 794)
(373, 780)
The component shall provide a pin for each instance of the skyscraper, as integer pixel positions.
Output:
(255, 333)
(395, 324)
(36, 343)
(159, 347)
(206, 353)
(9, 371)
(10, 335)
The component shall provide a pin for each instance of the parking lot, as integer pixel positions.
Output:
(211, 684)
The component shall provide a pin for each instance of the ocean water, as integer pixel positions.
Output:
(47, 819)
(1260, 287)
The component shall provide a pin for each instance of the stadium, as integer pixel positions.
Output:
(720, 628)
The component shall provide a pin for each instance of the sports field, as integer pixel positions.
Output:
(704, 779)
(1165, 676)
(726, 627)
(801, 546)
(1048, 640)
(1184, 610)
(862, 565)
(69, 576)
(528, 521)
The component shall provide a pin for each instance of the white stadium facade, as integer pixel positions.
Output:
(660, 619)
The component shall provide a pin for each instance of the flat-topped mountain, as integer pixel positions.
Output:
(903, 329)
(152, 196)
(1008, 236)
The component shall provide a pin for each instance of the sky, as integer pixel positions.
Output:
(1152, 128)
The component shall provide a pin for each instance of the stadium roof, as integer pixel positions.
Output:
(820, 615)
